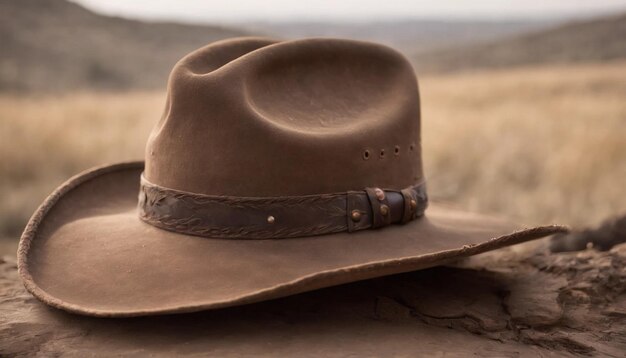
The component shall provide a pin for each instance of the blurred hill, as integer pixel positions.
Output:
(410, 36)
(597, 40)
(55, 45)
(52, 45)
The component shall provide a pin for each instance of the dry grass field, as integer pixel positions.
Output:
(537, 144)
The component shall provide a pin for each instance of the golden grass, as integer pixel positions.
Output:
(44, 140)
(537, 144)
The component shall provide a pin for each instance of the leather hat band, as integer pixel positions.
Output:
(229, 217)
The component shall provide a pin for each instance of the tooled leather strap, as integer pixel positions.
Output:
(229, 217)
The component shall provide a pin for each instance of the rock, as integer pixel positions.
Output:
(534, 303)
(610, 233)
(508, 303)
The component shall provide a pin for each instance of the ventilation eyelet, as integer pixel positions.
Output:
(396, 150)
(366, 154)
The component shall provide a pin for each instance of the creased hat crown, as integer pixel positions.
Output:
(256, 117)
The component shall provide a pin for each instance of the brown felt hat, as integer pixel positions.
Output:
(276, 168)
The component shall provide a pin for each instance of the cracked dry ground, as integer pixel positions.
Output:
(520, 301)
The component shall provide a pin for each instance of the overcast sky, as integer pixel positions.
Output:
(227, 11)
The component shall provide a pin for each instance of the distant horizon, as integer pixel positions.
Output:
(285, 11)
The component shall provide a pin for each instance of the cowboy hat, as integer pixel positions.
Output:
(276, 168)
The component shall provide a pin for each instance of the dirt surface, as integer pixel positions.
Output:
(521, 301)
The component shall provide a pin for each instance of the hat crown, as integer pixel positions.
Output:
(255, 117)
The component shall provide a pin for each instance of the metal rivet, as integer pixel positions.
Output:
(270, 219)
(384, 210)
(413, 204)
(380, 194)
(356, 216)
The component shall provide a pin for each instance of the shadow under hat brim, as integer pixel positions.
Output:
(86, 251)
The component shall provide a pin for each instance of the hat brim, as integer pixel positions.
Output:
(86, 251)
